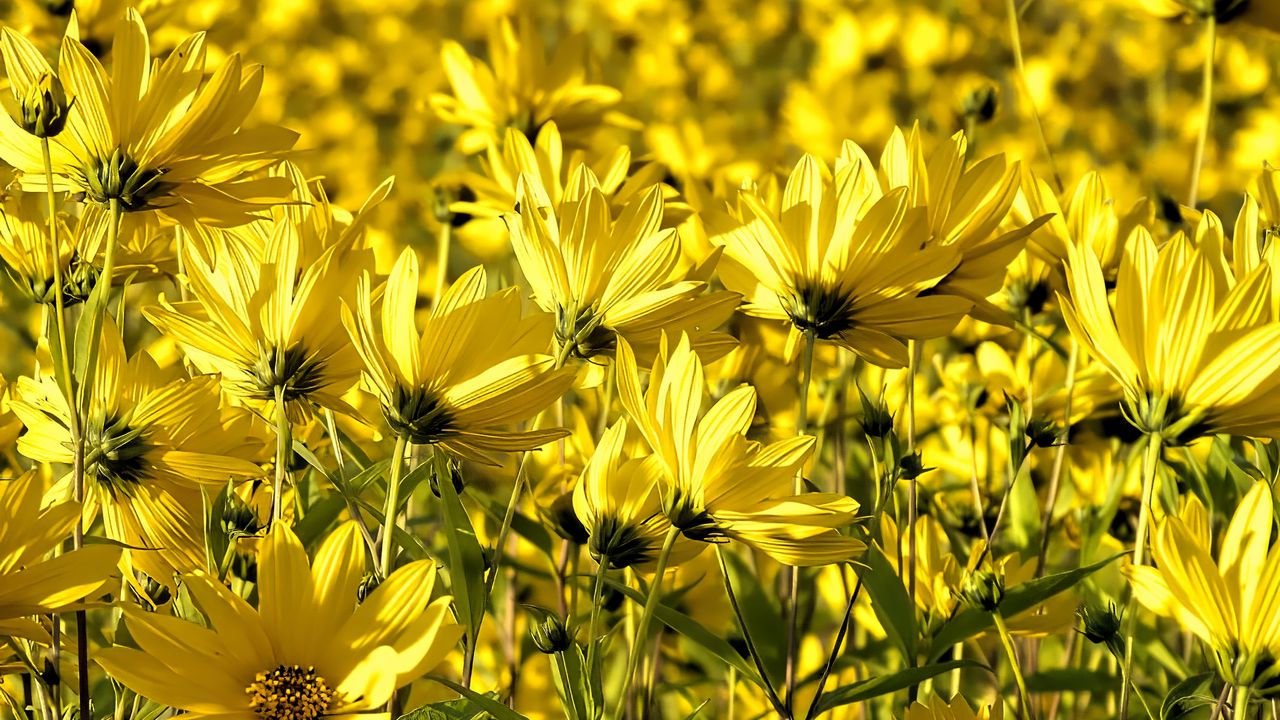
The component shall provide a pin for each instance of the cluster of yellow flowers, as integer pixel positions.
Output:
(648, 359)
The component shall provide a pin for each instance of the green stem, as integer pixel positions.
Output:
(391, 511)
(752, 651)
(284, 442)
(1059, 459)
(331, 426)
(507, 518)
(1206, 107)
(1007, 641)
(1240, 704)
(1015, 41)
(646, 615)
(596, 594)
(793, 573)
(1150, 461)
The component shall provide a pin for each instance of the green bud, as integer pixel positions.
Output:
(548, 631)
(980, 104)
(44, 107)
(984, 590)
(877, 421)
(1101, 626)
(911, 465)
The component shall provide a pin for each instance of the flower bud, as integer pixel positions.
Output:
(980, 104)
(983, 590)
(1101, 626)
(44, 107)
(548, 632)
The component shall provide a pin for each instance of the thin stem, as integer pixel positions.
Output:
(331, 426)
(392, 509)
(1007, 641)
(793, 573)
(770, 692)
(1059, 459)
(1150, 461)
(1015, 42)
(1206, 107)
(1221, 703)
(835, 649)
(507, 518)
(596, 594)
(642, 629)
(284, 443)
(913, 496)
(442, 260)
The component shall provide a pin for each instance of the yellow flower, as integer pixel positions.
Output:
(843, 261)
(263, 314)
(150, 137)
(307, 651)
(616, 499)
(521, 88)
(716, 483)
(605, 277)
(957, 709)
(25, 247)
(476, 365)
(1188, 341)
(30, 584)
(153, 441)
(1233, 604)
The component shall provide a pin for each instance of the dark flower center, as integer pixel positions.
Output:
(120, 178)
(115, 453)
(296, 373)
(418, 414)
(822, 310)
(290, 692)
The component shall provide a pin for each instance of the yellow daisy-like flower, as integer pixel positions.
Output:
(30, 584)
(616, 500)
(153, 440)
(149, 137)
(1188, 341)
(264, 310)
(26, 250)
(716, 483)
(1233, 603)
(956, 709)
(309, 650)
(476, 366)
(605, 277)
(841, 260)
(521, 88)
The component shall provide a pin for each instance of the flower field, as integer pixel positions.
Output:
(434, 360)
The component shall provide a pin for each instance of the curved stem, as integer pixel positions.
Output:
(1007, 641)
(1206, 107)
(392, 509)
(1015, 42)
(793, 573)
(646, 615)
(507, 518)
(1059, 459)
(1150, 461)
(596, 594)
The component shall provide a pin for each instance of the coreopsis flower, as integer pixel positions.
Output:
(1188, 340)
(955, 709)
(605, 277)
(477, 365)
(1228, 603)
(308, 650)
(717, 484)
(150, 137)
(153, 441)
(263, 311)
(28, 253)
(30, 584)
(1086, 216)
(967, 204)
(616, 500)
(521, 87)
(841, 260)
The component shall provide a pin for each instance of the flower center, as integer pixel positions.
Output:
(120, 178)
(290, 692)
(821, 309)
(293, 370)
(418, 414)
(115, 453)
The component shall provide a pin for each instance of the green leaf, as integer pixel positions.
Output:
(483, 702)
(884, 684)
(460, 709)
(970, 622)
(697, 710)
(523, 525)
(892, 605)
(1191, 694)
(694, 631)
(466, 559)
(1072, 680)
(319, 519)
